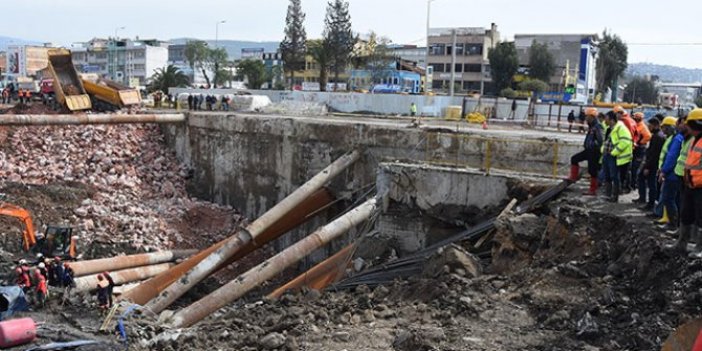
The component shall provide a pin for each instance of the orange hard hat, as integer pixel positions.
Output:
(618, 109)
(638, 116)
(591, 111)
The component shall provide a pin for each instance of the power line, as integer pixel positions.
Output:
(664, 44)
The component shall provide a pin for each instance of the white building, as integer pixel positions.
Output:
(576, 61)
(410, 53)
(126, 61)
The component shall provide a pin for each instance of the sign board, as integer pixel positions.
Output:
(252, 53)
(555, 97)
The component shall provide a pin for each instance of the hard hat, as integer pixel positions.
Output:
(695, 115)
(22, 262)
(669, 121)
(618, 109)
(41, 265)
(591, 111)
(39, 255)
(638, 116)
(65, 264)
(99, 277)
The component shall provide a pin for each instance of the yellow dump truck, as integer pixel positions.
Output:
(68, 87)
(109, 96)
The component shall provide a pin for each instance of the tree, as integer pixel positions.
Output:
(216, 61)
(508, 93)
(197, 54)
(533, 85)
(504, 64)
(641, 91)
(254, 71)
(292, 48)
(541, 62)
(612, 61)
(338, 35)
(319, 50)
(374, 55)
(168, 77)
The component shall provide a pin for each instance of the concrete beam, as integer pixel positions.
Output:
(90, 282)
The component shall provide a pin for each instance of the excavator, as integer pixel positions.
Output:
(56, 241)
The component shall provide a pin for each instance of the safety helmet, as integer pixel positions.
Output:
(41, 265)
(99, 277)
(22, 262)
(591, 111)
(694, 115)
(638, 116)
(618, 109)
(669, 121)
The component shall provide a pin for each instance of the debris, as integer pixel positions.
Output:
(272, 341)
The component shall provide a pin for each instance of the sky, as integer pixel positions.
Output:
(403, 21)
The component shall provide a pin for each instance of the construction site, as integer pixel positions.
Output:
(284, 228)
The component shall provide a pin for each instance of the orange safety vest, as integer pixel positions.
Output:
(693, 165)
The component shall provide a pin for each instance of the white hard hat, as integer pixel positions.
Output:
(42, 265)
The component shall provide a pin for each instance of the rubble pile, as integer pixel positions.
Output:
(138, 199)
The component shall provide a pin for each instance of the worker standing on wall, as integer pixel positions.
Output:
(591, 153)
(618, 153)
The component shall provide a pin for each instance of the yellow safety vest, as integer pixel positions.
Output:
(622, 144)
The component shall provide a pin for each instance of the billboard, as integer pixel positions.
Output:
(252, 53)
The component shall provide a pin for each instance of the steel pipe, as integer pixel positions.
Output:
(51, 120)
(82, 268)
(273, 266)
(90, 282)
(149, 289)
(321, 275)
(230, 248)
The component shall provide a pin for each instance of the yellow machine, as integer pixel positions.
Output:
(109, 95)
(68, 86)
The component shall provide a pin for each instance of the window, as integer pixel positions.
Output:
(459, 49)
(472, 68)
(101, 55)
(139, 54)
(471, 86)
(139, 67)
(449, 50)
(437, 49)
(459, 67)
(438, 67)
(438, 84)
(473, 49)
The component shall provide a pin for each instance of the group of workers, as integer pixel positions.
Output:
(35, 278)
(661, 158)
(24, 96)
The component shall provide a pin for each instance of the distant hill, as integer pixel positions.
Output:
(8, 41)
(666, 73)
(234, 47)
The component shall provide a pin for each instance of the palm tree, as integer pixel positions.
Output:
(168, 77)
(320, 52)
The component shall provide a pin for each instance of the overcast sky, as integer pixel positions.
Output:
(403, 21)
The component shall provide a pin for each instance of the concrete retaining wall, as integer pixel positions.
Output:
(253, 161)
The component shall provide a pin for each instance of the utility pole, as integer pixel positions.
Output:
(427, 88)
(217, 33)
(452, 88)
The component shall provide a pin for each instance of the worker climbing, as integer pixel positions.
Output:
(591, 153)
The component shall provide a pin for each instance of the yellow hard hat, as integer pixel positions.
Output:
(669, 121)
(695, 115)
(591, 111)
(618, 109)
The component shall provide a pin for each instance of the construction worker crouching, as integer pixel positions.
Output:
(591, 153)
(691, 200)
(617, 155)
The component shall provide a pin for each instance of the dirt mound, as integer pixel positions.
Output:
(31, 109)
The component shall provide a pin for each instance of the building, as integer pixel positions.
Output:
(576, 63)
(397, 77)
(412, 53)
(177, 58)
(472, 68)
(687, 93)
(273, 61)
(25, 60)
(126, 61)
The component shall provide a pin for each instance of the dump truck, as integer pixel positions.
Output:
(107, 95)
(68, 87)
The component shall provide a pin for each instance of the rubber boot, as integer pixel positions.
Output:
(664, 219)
(697, 236)
(608, 190)
(574, 173)
(593, 187)
(615, 194)
(672, 226)
(683, 237)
